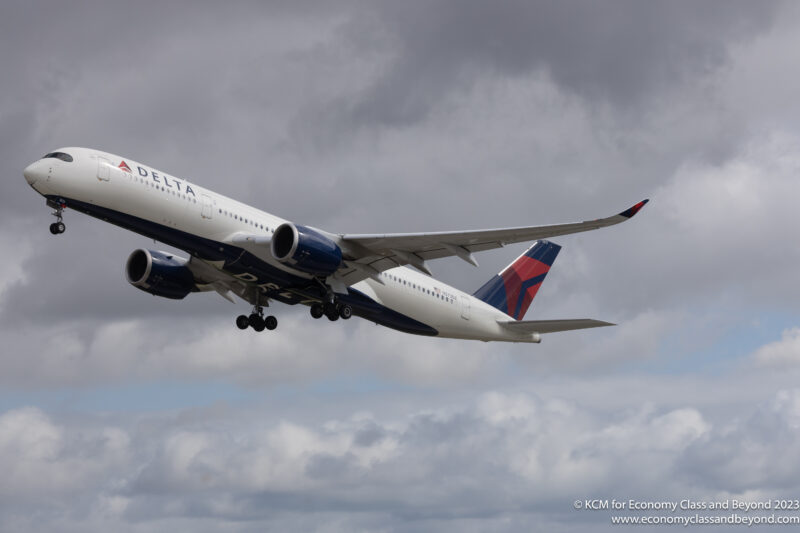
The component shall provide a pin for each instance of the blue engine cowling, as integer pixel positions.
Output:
(159, 273)
(305, 249)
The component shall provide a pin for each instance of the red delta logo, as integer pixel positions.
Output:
(124, 166)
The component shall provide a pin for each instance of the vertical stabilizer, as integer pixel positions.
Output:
(513, 289)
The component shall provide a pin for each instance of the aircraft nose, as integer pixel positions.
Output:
(33, 172)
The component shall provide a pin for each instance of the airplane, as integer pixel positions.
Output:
(238, 250)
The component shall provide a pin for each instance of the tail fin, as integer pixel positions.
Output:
(513, 289)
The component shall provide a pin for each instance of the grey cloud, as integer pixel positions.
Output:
(85, 352)
(621, 52)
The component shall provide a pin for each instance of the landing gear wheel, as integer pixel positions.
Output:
(242, 322)
(333, 315)
(317, 310)
(271, 322)
(58, 207)
(256, 322)
(345, 311)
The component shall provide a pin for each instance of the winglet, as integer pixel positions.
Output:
(628, 213)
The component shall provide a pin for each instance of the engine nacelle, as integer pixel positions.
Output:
(305, 249)
(159, 273)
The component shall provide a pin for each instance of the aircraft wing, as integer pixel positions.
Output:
(552, 326)
(369, 254)
(209, 276)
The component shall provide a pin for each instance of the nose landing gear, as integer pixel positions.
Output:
(57, 227)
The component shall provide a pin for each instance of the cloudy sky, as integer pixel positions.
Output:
(124, 412)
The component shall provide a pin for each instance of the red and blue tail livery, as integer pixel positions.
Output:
(513, 290)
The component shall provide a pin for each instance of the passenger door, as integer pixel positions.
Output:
(464, 307)
(207, 208)
(103, 169)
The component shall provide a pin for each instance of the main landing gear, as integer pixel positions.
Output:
(256, 320)
(57, 227)
(333, 310)
(331, 307)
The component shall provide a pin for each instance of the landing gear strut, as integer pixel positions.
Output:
(58, 226)
(256, 320)
(331, 307)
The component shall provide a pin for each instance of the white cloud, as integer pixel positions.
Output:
(751, 452)
(42, 459)
(537, 455)
(782, 353)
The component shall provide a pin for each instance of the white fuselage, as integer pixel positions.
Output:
(95, 178)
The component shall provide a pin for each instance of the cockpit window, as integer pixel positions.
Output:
(59, 155)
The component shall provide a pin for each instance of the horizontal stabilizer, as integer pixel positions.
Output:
(552, 326)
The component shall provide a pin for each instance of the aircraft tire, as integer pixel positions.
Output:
(317, 311)
(53, 229)
(256, 322)
(60, 227)
(333, 315)
(242, 322)
(271, 322)
(345, 312)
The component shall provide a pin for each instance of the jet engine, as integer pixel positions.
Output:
(159, 273)
(305, 249)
